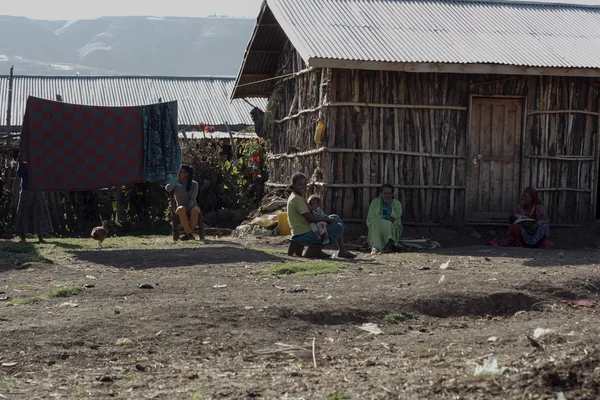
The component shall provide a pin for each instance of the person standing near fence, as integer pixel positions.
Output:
(32, 212)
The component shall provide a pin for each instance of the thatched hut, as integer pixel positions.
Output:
(458, 104)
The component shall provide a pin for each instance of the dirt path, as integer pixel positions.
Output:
(195, 333)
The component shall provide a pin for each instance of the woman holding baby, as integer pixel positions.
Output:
(529, 224)
(308, 222)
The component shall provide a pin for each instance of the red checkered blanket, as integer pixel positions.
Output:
(73, 147)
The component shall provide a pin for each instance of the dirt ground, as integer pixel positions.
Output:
(198, 332)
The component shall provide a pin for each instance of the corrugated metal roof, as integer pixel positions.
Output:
(425, 31)
(200, 99)
(466, 32)
(217, 135)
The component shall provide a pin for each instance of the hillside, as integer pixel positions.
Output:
(124, 45)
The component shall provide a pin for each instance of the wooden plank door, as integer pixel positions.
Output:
(493, 183)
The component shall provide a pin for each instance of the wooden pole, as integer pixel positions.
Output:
(405, 106)
(9, 106)
(10, 96)
(373, 186)
(529, 113)
(370, 105)
(232, 142)
(594, 180)
(364, 151)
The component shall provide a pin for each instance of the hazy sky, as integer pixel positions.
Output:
(78, 9)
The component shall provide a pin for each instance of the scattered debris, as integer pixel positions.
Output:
(140, 367)
(4, 298)
(561, 255)
(371, 328)
(493, 339)
(425, 268)
(88, 285)
(124, 342)
(412, 244)
(581, 303)
(489, 368)
(535, 343)
(561, 396)
(442, 279)
(540, 332)
(218, 286)
(9, 364)
(158, 333)
(145, 286)
(109, 379)
(69, 304)
(298, 289)
(445, 265)
(92, 277)
(273, 205)
(284, 351)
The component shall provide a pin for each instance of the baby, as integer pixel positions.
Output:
(319, 228)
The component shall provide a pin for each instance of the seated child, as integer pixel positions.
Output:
(319, 228)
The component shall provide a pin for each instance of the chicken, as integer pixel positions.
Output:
(100, 233)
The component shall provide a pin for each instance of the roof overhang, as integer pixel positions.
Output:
(261, 58)
(500, 69)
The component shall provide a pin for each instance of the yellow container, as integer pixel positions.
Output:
(284, 225)
(319, 132)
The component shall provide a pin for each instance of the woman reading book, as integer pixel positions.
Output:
(529, 224)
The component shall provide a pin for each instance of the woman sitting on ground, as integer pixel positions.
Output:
(383, 221)
(186, 191)
(529, 224)
(299, 218)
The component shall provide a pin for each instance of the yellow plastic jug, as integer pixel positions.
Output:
(319, 132)
(284, 226)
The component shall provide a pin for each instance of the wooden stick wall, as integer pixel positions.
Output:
(411, 130)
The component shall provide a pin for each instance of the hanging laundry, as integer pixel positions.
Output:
(162, 153)
(73, 147)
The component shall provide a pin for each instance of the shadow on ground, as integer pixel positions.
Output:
(21, 255)
(181, 257)
(64, 245)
